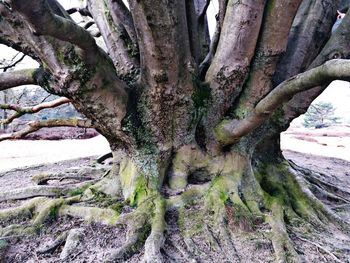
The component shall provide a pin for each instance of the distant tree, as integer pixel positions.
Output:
(320, 115)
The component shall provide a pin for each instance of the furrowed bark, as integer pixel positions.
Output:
(166, 67)
(231, 63)
(229, 132)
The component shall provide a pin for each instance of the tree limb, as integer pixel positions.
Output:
(122, 16)
(20, 111)
(37, 125)
(17, 78)
(45, 22)
(229, 132)
(120, 47)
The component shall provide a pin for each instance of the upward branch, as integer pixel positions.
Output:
(229, 132)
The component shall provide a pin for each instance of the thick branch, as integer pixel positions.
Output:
(17, 78)
(20, 111)
(272, 44)
(122, 16)
(45, 22)
(230, 67)
(120, 48)
(37, 125)
(229, 132)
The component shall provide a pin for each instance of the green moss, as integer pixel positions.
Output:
(118, 207)
(78, 191)
(53, 213)
(80, 71)
(221, 134)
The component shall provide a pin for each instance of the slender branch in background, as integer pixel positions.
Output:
(204, 65)
(34, 126)
(84, 11)
(203, 12)
(12, 62)
(89, 24)
(17, 78)
(20, 111)
(229, 132)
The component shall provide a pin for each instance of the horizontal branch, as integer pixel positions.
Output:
(230, 131)
(20, 111)
(17, 78)
(34, 126)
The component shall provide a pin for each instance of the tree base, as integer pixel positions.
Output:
(205, 222)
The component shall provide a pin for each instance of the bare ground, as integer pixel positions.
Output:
(98, 239)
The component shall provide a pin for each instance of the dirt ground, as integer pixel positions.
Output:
(97, 240)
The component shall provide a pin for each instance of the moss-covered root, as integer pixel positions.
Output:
(281, 242)
(155, 240)
(145, 226)
(42, 190)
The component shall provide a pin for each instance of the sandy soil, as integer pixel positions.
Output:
(329, 142)
(22, 153)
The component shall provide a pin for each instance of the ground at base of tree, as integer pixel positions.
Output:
(96, 240)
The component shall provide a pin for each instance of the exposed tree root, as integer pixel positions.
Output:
(47, 191)
(49, 248)
(282, 244)
(237, 198)
(72, 242)
(335, 258)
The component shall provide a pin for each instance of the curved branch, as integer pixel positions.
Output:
(122, 16)
(17, 78)
(45, 22)
(37, 125)
(20, 111)
(229, 132)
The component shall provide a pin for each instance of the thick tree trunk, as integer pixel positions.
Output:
(196, 165)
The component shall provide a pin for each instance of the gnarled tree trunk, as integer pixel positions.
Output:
(193, 124)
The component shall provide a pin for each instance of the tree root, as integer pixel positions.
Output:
(334, 257)
(72, 242)
(47, 191)
(281, 242)
(49, 248)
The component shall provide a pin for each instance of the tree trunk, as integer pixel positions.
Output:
(194, 132)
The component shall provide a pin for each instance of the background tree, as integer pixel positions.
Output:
(193, 124)
(320, 114)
